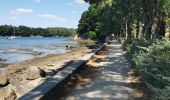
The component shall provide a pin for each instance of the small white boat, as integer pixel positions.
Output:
(12, 37)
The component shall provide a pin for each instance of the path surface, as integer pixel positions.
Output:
(106, 77)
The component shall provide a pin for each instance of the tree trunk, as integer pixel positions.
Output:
(126, 29)
(154, 19)
(162, 26)
(139, 29)
(151, 12)
(147, 25)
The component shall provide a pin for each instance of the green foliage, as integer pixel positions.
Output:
(94, 1)
(91, 34)
(93, 19)
(23, 31)
(59, 31)
(125, 18)
(89, 23)
(8, 30)
(5, 30)
(136, 46)
(151, 59)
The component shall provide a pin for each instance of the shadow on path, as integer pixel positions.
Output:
(105, 77)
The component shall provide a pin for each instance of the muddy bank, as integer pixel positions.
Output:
(29, 74)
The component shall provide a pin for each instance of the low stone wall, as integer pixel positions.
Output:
(51, 83)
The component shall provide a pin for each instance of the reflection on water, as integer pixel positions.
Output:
(25, 48)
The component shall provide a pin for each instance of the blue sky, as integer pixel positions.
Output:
(42, 13)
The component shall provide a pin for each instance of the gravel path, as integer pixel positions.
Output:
(106, 77)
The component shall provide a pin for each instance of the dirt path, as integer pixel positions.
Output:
(106, 77)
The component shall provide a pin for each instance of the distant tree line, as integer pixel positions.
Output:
(8, 30)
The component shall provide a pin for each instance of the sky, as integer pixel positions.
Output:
(42, 13)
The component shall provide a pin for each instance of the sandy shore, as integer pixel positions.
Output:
(27, 75)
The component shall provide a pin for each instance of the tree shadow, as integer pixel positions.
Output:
(89, 82)
(85, 81)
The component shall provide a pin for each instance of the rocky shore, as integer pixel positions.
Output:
(2, 63)
(18, 79)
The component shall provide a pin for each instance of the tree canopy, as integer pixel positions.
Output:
(125, 18)
(8, 30)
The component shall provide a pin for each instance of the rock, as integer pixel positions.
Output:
(105, 44)
(109, 42)
(2, 64)
(3, 79)
(35, 73)
(51, 65)
(7, 93)
(70, 47)
(67, 46)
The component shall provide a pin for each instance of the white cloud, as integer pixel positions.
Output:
(19, 11)
(52, 17)
(38, 1)
(79, 1)
(13, 17)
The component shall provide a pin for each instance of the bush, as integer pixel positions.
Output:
(91, 34)
(134, 47)
(151, 59)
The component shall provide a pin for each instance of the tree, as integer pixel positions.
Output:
(6, 30)
(156, 12)
(126, 18)
(89, 22)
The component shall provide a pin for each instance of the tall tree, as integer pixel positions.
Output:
(125, 18)
(156, 12)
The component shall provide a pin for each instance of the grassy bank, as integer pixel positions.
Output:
(150, 58)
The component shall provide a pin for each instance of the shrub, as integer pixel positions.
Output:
(151, 59)
(134, 47)
(91, 34)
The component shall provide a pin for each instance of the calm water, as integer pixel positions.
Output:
(25, 48)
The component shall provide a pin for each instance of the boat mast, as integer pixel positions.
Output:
(14, 31)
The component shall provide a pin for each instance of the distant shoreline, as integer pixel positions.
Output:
(9, 30)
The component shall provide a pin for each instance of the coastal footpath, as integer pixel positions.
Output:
(107, 76)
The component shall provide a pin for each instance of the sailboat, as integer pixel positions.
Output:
(12, 37)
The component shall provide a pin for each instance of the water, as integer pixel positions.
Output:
(25, 48)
